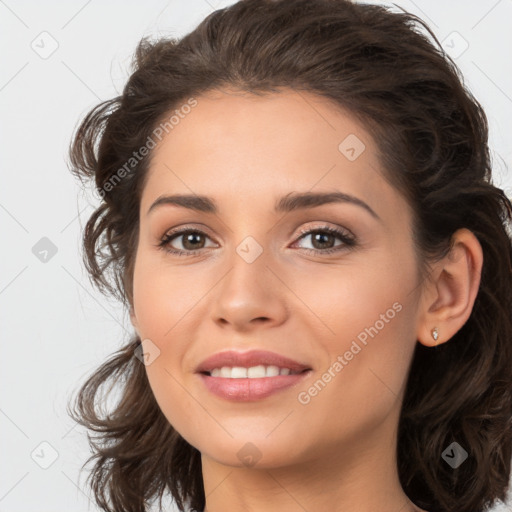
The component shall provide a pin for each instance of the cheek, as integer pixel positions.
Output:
(165, 300)
(176, 402)
(368, 320)
(363, 383)
(360, 301)
(163, 296)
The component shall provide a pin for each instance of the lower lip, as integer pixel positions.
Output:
(246, 390)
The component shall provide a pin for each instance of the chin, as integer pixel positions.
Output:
(258, 451)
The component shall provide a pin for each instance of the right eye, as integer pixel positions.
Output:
(189, 237)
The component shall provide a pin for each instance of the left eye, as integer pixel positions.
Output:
(324, 236)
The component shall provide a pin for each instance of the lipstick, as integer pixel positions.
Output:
(251, 375)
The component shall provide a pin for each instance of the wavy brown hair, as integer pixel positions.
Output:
(389, 71)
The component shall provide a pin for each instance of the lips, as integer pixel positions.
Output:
(249, 359)
(248, 389)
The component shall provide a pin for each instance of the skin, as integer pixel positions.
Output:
(336, 452)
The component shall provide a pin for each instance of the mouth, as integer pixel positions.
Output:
(250, 364)
(250, 376)
(253, 372)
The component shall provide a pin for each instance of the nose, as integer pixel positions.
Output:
(250, 294)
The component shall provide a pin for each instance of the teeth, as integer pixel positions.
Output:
(224, 372)
(254, 372)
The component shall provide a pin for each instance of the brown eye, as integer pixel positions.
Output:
(191, 240)
(323, 240)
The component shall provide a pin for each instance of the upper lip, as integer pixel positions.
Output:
(250, 358)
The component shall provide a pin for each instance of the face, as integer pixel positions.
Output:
(330, 285)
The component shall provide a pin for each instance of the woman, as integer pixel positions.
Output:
(298, 212)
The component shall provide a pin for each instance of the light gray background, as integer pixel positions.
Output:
(55, 327)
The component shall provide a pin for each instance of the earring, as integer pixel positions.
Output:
(435, 333)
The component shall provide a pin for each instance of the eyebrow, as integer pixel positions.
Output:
(291, 202)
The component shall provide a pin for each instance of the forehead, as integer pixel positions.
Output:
(233, 144)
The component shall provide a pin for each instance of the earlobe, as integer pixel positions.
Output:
(449, 297)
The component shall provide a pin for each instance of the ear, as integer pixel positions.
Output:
(448, 298)
(133, 319)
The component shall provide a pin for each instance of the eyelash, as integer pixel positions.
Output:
(348, 241)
